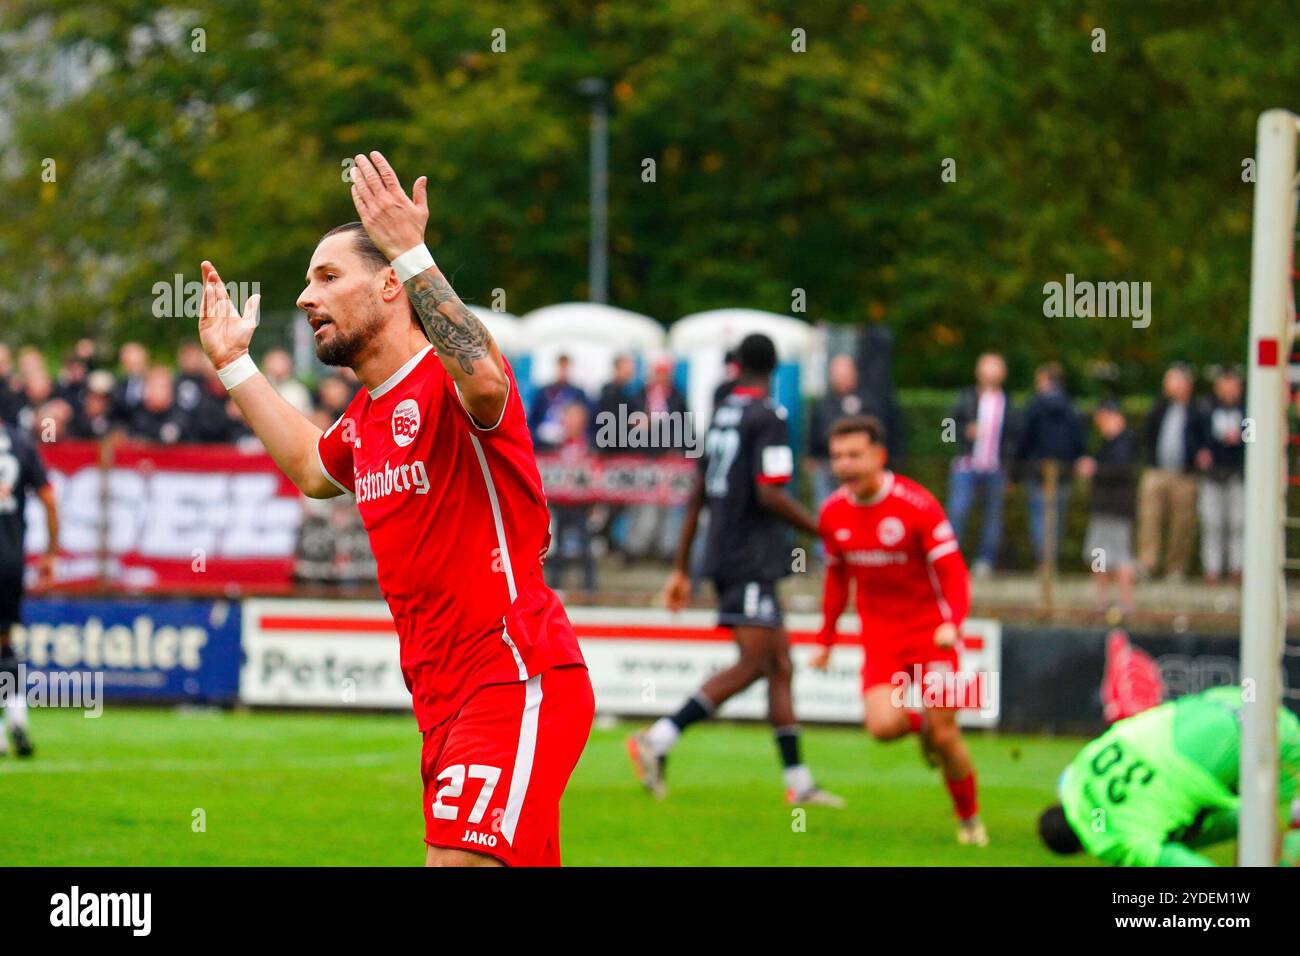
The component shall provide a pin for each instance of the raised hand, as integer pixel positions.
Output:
(223, 332)
(394, 221)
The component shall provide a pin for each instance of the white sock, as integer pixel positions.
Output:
(661, 736)
(16, 712)
(798, 778)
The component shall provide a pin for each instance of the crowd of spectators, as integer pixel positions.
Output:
(139, 399)
(565, 420)
(1151, 483)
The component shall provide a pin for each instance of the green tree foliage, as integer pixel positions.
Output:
(775, 169)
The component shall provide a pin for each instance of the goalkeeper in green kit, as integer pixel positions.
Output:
(1159, 785)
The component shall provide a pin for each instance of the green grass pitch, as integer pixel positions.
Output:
(176, 788)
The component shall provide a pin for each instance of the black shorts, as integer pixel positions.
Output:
(748, 604)
(11, 601)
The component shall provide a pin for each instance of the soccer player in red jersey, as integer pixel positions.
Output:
(890, 537)
(436, 450)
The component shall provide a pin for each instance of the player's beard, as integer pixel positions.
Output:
(344, 348)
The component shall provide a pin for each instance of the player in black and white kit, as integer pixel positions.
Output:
(746, 466)
(21, 470)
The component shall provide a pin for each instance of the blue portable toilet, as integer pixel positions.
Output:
(591, 334)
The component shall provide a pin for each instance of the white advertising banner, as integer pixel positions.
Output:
(647, 662)
(314, 653)
(643, 662)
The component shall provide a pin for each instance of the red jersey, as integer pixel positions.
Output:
(900, 551)
(458, 525)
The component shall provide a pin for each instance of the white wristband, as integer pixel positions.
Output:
(237, 372)
(412, 262)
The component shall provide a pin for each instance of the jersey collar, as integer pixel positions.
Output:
(396, 378)
(886, 487)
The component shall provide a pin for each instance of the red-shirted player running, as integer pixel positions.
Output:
(437, 452)
(890, 537)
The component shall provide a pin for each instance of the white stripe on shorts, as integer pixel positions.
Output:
(523, 757)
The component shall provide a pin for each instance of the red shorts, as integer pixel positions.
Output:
(494, 772)
(909, 663)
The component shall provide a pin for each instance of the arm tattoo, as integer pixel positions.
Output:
(451, 327)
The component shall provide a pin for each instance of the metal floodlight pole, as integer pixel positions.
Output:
(595, 89)
(1263, 598)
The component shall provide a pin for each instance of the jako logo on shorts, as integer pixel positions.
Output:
(406, 422)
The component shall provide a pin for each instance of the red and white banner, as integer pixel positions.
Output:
(191, 517)
(616, 479)
(643, 662)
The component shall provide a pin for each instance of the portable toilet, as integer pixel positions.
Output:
(591, 334)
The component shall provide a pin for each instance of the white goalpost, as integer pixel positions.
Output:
(1263, 596)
